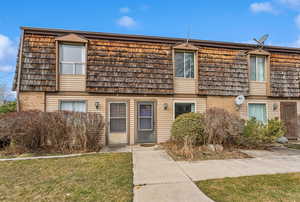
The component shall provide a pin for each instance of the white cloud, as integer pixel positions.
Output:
(124, 10)
(6, 68)
(7, 48)
(262, 7)
(126, 21)
(291, 3)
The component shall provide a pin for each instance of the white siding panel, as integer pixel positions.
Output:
(258, 88)
(72, 83)
(164, 117)
(185, 86)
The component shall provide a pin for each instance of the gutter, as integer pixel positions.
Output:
(19, 69)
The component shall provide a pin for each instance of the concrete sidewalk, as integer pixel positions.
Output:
(213, 169)
(157, 177)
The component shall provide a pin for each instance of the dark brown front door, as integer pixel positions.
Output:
(288, 114)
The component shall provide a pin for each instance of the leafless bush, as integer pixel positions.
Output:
(63, 132)
(222, 127)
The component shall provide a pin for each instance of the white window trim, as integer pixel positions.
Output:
(183, 101)
(74, 63)
(256, 72)
(126, 105)
(152, 117)
(66, 100)
(174, 59)
(258, 102)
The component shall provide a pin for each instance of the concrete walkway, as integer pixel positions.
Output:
(158, 178)
(213, 169)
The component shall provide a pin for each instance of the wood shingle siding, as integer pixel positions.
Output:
(222, 72)
(38, 63)
(285, 75)
(124, 67)
(129, 64)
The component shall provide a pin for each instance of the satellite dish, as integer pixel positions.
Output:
(261, 41)
(239, 100)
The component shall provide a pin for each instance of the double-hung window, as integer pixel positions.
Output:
(258, 111)
(181, 108)
(75, 106)
(72, 59)
(184, 64)
(257, 68)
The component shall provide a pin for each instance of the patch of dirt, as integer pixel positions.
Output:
(198, 154)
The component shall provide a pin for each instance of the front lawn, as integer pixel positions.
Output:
(279, 187)
(99, 177)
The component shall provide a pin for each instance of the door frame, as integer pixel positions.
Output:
(154, 108)
(108, 102)
(152, 117)
(296, 127)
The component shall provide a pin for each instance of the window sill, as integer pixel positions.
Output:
(258, 82)
(184, 78)
(71, 74)
(145, 130)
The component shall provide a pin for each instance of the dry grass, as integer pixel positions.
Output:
(293, 146)
(279, 187)
(195, 154)
(99, 177)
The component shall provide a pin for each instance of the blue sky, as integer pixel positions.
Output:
(230, 20)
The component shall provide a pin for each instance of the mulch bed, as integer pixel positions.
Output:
(198, 154)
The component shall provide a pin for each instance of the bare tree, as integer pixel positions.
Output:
(5, 92)
(2, 93)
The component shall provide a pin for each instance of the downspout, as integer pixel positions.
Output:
(19, 69)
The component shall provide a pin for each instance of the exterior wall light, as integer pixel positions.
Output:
(97, 105)
(165, 106)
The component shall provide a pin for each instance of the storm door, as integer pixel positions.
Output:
(145, 122)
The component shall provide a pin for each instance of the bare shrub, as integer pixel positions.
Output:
(63, 132)
(222, 127)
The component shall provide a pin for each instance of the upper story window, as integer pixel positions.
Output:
(72, 59)
(184, 64)
(257, 68)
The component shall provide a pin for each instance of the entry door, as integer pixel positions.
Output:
(288, 113)
(117, 123)
(145, 122)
